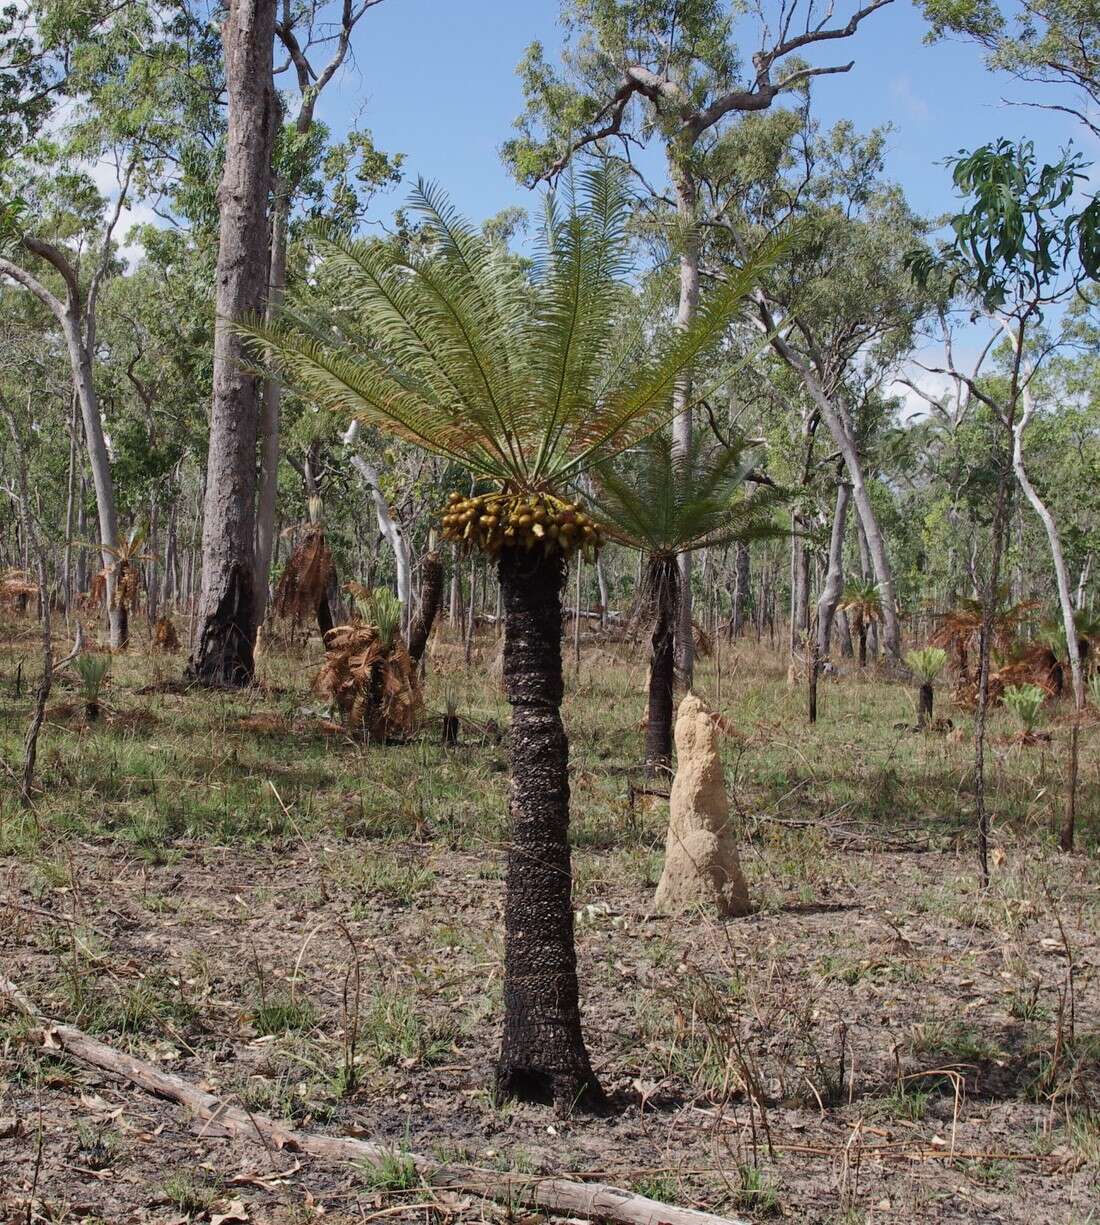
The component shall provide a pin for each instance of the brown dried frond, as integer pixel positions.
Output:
(703, 645)
(377, 691)
(306, 578)
(128, 584)
(17, 588)
(97, 592)
(959, 628)
(165, 637)
(1033, 664)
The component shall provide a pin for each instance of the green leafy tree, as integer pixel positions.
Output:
(1044, 42)
(668, 73)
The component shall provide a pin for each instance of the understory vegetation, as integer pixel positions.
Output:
(255, 900)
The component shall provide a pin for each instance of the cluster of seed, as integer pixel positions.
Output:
(496, 521)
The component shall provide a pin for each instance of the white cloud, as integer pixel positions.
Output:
(911, 102)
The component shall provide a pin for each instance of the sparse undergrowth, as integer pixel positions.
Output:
(312, 926)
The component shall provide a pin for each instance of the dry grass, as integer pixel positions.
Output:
(226, 885)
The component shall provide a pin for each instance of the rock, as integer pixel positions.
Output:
(702, 867)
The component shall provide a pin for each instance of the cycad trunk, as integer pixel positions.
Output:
(861, 631)
(663, 583)
(431, 597)
(924, 705)
(542, 1057)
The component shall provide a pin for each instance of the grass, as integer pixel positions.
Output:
(314, 927)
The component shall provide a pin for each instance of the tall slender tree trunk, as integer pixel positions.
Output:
(800, 592)
(70, 510)
(686, 195)
(834, 579)
(270, 411)
(223, 649)
(542, 1056)
(387, 525)
(741, 589)
(663, 581)
(81, 361)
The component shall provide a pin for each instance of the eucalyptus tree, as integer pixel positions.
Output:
(665, 502)
(670, 72)
(528, 381)
(298, 149)
(841, 309)
(1055, 43)
(1021, 248)
(123, 86)
(222, 652)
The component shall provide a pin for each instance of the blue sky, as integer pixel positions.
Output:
(435, 79)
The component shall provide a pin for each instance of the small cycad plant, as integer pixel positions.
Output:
(92, 670)
(368, 674)
(926, 665)
(1025, 702)
(383, 610)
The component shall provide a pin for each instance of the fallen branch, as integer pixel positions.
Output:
(558, 1195)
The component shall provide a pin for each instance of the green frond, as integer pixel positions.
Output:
(664, 502)
(522, 378)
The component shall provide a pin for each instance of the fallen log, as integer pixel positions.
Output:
(564, 1196)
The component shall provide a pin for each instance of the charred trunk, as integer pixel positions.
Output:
(542, 1056)
(924, 705)
(861, 630)
(663, 587)
(324, 614)
(431, 597)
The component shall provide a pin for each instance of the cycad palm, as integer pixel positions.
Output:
(665, 503)
(862, 601)
(527, 381)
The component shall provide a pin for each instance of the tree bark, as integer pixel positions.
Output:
(431, 597)
(834, 580)
(267, 499)
(741, 587)
(223, 650)
(542, 1056)
(686, 194)
(1054, 540)
(663, 581)
(924, 705)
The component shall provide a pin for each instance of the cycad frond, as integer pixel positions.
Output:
(665, 502)
(460, 352)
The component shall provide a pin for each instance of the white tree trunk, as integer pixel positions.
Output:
(395, 537)
(68, 315)
(1065, 599)
(834, 579)
(682, 422)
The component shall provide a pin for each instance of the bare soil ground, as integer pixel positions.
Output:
(225, 886)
